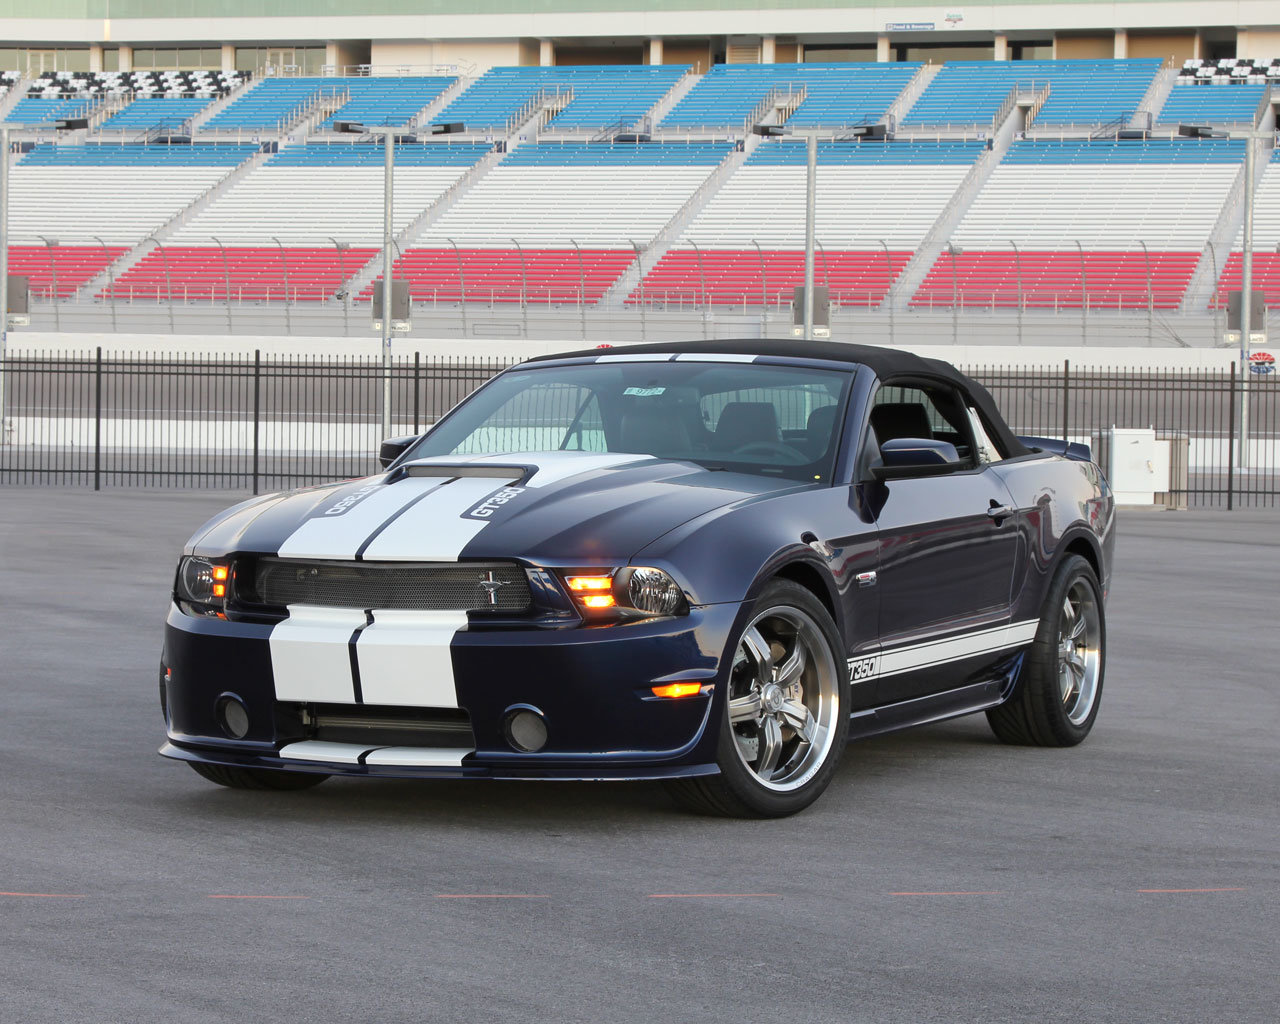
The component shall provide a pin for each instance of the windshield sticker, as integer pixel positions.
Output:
(644, 392)
(493, 503)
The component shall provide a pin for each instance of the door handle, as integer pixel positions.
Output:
(998, 513)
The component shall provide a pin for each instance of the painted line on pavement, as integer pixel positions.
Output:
(48, 895)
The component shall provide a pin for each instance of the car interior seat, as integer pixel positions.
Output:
(743, 423)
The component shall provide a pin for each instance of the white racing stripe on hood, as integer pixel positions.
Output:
(339, 536)
(434, 530)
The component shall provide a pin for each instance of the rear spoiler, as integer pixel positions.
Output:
(1056, 446)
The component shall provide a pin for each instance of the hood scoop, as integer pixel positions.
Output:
(412, 469)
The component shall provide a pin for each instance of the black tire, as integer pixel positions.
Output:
(1042, 712)
(823, 687)
(256, 778)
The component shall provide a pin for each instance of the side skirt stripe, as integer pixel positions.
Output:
(911, 657)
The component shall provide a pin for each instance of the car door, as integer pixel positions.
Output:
(948, 546)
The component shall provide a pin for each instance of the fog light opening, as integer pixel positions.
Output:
(526, 729)
(232, 716)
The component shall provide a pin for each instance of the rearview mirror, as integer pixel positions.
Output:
(393, 447)
(915, 456)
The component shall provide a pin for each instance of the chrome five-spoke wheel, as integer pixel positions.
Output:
(1055, 698)
(784, 698)
(785, 713)
(1078, 652)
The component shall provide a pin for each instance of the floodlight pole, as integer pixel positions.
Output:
(810, 202)
(810, 196)
(4, 273)
(1246, 297)
(389, 140)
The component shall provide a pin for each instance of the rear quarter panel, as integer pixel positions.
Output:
(1063, 506)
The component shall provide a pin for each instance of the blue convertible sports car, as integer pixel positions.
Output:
(705, 563)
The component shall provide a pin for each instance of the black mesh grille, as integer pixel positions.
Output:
(453, 587)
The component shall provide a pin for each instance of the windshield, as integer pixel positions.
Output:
(745, 417)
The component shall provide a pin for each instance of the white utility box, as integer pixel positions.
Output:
(1139, 466)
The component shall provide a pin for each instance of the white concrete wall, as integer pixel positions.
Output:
(860, 16)
(45, 343)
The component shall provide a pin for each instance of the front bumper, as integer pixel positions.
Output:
(592, 686)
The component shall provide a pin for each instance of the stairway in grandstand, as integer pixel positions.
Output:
(1121, 215)
(651, 251)
(926, 250)
(212, 169)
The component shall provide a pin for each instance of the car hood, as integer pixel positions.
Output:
(556, 508)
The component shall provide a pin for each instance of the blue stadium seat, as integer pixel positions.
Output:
(144, 114)
(790, 153)
(1083, 92)
(1212, 104)
(602, 96)
(836, 94)
(355, 154)
(105, 155)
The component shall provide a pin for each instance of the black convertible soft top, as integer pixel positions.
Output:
(886, 363)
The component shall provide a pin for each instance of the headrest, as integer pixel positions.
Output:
(745, 422)
(900, 419)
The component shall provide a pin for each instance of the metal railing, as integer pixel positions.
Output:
(257, 422)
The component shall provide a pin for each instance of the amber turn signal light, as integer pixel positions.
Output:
(677, 690)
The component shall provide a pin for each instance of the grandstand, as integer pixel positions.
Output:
(1120, 220)
(875, 204)
(556, 222)
(98, 201)
(627, 185)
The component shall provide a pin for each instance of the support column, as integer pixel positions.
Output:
(126, 58)
(95, 56)
(1122, 44)
(883, 53)
(768, 50)
(229, 57)
(1002, 46)
(546, 53)
(655, 50)
(1197, 46)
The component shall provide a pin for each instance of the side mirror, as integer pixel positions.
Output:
(393, 447)
(915, 456)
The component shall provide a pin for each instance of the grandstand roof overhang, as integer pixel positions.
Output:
(127, 21)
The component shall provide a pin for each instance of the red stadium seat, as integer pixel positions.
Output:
(735, 277)
(1056, 280)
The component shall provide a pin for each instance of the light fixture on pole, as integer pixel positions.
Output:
(388, 134)
(810, 197)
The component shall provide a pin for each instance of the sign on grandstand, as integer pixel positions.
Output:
(399, 305)
(821, 311)
(18, 299)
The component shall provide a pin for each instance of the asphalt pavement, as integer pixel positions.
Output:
(942, 877)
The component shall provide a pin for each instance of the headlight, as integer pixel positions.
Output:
(628, 593)
(202, 585)
(654, 592)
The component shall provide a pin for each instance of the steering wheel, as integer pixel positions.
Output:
(789, 456)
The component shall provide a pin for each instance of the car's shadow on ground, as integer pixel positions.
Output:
(568, 805)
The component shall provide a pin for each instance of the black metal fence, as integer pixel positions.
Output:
(262, 423)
